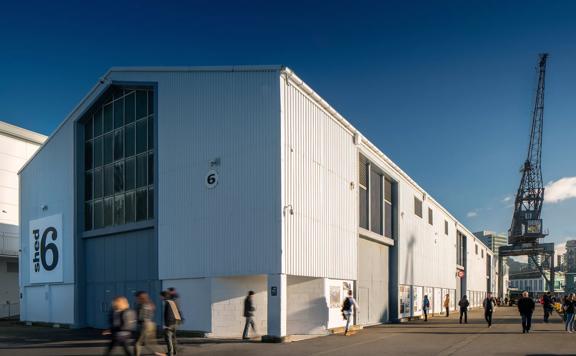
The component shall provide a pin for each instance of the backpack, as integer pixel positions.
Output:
(347, 304)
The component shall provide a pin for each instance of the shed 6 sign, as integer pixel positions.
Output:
(46, 250)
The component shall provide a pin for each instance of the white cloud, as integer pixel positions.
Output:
(507, 199)
(562, 189)
(472, 214)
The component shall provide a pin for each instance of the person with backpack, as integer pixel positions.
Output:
(122, 323)
(526, 307)
(171, 320)
(146, 327)
(488, 305)
(249, 315)
(547, 306)
(426, 307)
(463, 304)
(347, 305)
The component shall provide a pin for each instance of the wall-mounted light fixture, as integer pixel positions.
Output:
(44, 207)
(215, 162)
(4, 212)
(290, 209)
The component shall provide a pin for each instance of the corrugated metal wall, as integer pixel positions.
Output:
(233, 116)
(320, 162)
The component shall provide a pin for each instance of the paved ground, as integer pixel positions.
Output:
(440, 336)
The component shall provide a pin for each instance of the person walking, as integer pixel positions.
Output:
(463, 304)
(122, 322)
(171, 319)
(488, 305)
(347, 305)
(145, 325)
(547, 306)
(249, 315)
(426, 307)
(447, 304)
(526, 307)
(569, 311)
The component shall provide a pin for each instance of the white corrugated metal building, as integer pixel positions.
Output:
(221, 180)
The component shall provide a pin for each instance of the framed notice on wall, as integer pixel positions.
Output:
(45, 250)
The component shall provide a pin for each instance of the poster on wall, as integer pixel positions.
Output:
(417, 297)
(429, 291)
(334, 296)
(453, 301)
(404, 301)
(438, 300)
(45, 246)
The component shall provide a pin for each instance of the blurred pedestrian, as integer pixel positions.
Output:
(249, 310)
(426, 307)
(547, 306)
(569, 312)
(171, 319)
(463, 304)
(145, 325)
(122, 322)
(347, 305)
(447, 304)
(488, 305)
(526, 307)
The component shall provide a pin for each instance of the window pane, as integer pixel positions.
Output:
(375, 202)
(130, 174)
(150, 169)
(150, 203)
(119, 210)
(430, 216)
(363, 207)
(98, 123)
(88, 186)
(417, 207)
(98, 183)
(141, 104)
(129, 140)
(118, 144)
(98, 218)
(108, 118)
(141, 205)
(129, 108)
(88, 216)
(150, 102)
(151, 132)
(388, 220)
(108, 142)
(98, 152)
(88, 155)
(108, 180)
(88, 129)
(387, 190)
(118, 113)
(141, 136)
(141, 171)
(119, 177)
(108, 211)
(130, 211)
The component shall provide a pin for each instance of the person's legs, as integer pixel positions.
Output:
(528, 321)
(246, 325)
(447, 311)
(569, 322)
(348, 317)
(546, 314)
(461, 313)
(523, 322)
(139, 341)
(124, 343)
(110, 347)
(490, 318)
(169, 340)
(425, 315)
(465, 316)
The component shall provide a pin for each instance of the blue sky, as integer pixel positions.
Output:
(444, 88)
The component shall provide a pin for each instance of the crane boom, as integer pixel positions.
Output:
(526, 224)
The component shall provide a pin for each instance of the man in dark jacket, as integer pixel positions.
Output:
(547, 305)
(249, 315)
(526, 308)
(488, 305)
(171, 319)
(463, 304)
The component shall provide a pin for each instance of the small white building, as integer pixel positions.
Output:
(221, 180)
(17, 145)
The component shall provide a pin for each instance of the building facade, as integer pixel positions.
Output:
(217, 181)
(534, 283)
(494, 241)
(17, 145)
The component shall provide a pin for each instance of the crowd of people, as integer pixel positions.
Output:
(135, 328)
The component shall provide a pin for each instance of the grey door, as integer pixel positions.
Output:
(373, 275)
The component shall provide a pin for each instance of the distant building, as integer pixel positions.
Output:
(534, 282)
(570, 265)
(17, 145)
